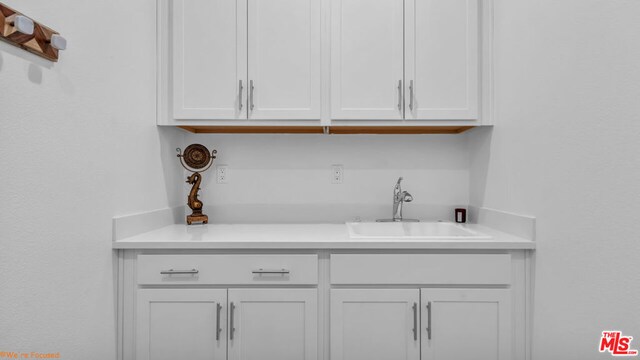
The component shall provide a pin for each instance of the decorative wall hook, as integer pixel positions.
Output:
(22, 24)
(21, 31)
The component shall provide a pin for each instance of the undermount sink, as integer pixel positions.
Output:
(412, 231)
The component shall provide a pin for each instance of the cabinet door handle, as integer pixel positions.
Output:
(240, 96)
(251, 106)
(399, 95)
(411, 95)
(429, 320)
(218, 329)
(172, 272)
(266, 271)
(232, 329)
(415, 321)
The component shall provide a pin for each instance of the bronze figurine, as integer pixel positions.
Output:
(196, 157)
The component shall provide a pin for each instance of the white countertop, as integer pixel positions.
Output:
(302, 236)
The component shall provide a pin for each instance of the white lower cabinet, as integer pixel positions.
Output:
(466, 324)
(325, 305)
(427, 324)
(381, 324)
(273, 324)
(181, 324)
(203, 324)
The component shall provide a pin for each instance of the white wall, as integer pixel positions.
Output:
(287, 178)
(78, 145)
(565, 149)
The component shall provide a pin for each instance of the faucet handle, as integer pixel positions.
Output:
(407, 197)
(397, 188)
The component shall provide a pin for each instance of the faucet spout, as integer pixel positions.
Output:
(399, 198)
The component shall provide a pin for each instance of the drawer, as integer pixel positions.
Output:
(424, 269)
(227, 269)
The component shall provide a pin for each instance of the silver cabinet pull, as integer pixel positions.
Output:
(251, 106)
(411, 95)
(399, 95)
(266, 271)
(232, 329)
(415, 322)
(240, 96)
(172, 272)
(218, 329)
(429, 320)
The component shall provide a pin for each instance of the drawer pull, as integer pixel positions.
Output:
(173, 272)
(251, 105)
(266, 271)
(218, 329)
(415, 322)
(411, 95)
(429, 320)
(232, 328)
(399, 95)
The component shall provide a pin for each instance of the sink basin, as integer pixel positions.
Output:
(412, 231)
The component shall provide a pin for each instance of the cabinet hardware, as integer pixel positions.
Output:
(399, 95)
(429, 320)
(172, 272)
(411, 95)
(240, 96)
(415, 321)
(251, 106)
(264, 271)
(218, 329)
(232, 329)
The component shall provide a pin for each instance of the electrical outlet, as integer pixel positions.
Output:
(337, 174)
(222, 174)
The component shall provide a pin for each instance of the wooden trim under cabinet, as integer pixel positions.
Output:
(253, 129)
(338, 130)
(398, 129)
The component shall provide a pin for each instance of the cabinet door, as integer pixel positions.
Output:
(375, 324)
(273, 324)
(284, 59)
(181, 324)
(442, 68)
(466, 324)
(209, 59)
(367, 59)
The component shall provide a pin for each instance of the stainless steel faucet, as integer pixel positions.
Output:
(399, 198)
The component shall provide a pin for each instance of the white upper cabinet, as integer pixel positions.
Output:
(284, 59)
(367, 59)
(411, 59)
(239, 59)
(338, 62)
(441, 59)
(209, 58)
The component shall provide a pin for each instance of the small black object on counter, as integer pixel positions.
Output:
(461, 215)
